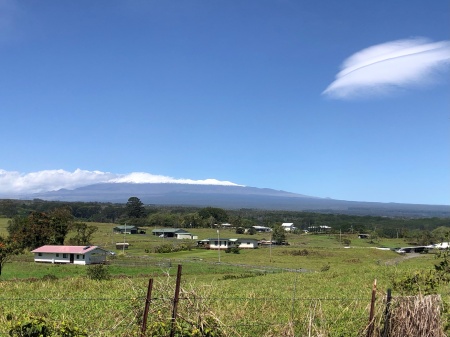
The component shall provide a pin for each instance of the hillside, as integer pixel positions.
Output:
(234, 197)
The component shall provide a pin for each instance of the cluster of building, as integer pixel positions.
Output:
(84, 255)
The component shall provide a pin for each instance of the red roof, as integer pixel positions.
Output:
(65, 249)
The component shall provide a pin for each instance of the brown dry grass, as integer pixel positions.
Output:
(417, 316)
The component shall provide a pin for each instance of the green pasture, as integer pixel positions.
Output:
(247, 299)
(314, 286)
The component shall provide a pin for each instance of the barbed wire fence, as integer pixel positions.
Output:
(241, 316)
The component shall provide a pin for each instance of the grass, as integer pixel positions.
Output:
(251, 293)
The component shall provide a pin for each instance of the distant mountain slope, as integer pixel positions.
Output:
(234, 197)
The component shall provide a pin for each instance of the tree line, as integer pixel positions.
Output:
(134, 212)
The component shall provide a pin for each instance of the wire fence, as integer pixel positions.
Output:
(233, 316)
(160, 310)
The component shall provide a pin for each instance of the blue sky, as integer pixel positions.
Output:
(348, 100)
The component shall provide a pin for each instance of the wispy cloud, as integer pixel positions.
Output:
(14, 183)
(384, 67)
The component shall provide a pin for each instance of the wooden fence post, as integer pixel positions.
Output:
(387, 314)
(372, 309)
(175, 302)
(147, 305)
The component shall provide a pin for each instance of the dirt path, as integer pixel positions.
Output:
(402, 258)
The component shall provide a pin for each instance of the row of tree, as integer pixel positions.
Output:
(134, 212)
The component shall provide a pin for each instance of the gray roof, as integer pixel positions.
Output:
(169, 230)
(125, 227)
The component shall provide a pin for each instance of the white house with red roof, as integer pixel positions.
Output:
(70, 254)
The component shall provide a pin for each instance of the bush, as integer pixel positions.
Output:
(98, 272)
(49, 277)
(40, 327)
(240, 230)
(234, 250)
(170, 248)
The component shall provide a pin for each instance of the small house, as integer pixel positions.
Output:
(247, 243)
(122, 245)
(262, 229)
(124, 229)
(319, 229)
(288, 226)
(172, 233)
(215, 243)
(227, 243)
(70, 254)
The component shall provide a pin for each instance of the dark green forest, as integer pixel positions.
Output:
(134, 212)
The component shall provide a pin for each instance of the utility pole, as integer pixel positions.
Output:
(218, 242)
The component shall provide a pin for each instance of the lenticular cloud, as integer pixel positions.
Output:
(381, 68)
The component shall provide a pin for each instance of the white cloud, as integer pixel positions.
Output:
(14, 183)
(384, 67)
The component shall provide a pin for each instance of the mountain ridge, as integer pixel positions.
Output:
(233, 197)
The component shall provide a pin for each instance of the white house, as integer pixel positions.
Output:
(262, 229)
(70, 254)
(442, 245)
(319, 229)
(247, 243)
(215, 243)
(288, 226)
(228, 243)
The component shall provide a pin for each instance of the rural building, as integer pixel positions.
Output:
(363, 236)
(442, 245)
(262, 229)
(173, 233)
(247, 243)
(319, 229)
(122, 245)
(70, 254)
(227, 243)
(124, 229)
(288, 226)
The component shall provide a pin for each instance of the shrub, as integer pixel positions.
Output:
(299, 252)
(240, 230)
(325, 267)
(346, 242)
(234, 250)
(170, 248)
(98, 272)
(40, 327)
(49, 277)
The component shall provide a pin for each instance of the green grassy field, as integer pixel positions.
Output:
(254, 293)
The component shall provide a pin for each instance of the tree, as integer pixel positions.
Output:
(8, 208)
(135, 208)
(40, 228)
(218, 214)
(83, 234)
(7, 250)
(31, 232)
(278, 234)
(60, 224)
(240, 230)
(251, 231)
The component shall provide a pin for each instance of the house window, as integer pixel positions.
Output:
(78, 256)
(57, 254)
(39, 254)
(64, 256)
(83, 256)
